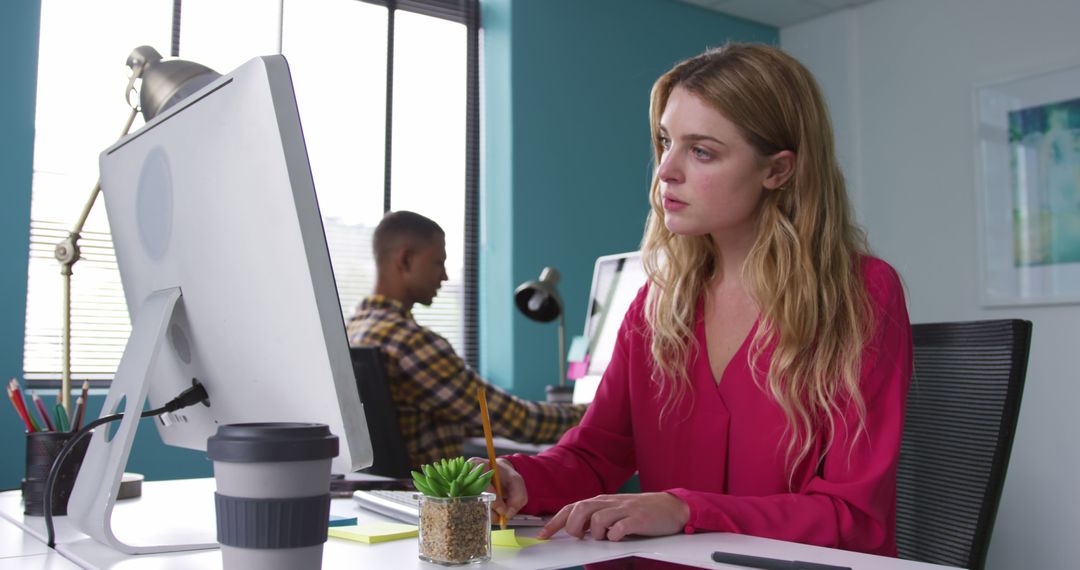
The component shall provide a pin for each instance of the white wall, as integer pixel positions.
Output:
(899, 76)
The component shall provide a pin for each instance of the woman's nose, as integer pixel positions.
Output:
(670, 171)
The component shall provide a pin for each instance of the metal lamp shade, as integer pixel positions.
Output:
(164, 83)
(539, 300)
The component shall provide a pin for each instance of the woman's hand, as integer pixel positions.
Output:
(616, 516)
(514, 495)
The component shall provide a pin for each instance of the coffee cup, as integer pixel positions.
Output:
(273, 493)
(560, 394)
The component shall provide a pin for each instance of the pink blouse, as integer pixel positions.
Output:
(722, 451)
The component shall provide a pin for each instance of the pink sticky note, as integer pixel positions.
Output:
(577, 369)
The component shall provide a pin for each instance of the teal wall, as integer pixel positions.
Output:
(567, 156)
(19, 22)
(18, 39)
(496, 199)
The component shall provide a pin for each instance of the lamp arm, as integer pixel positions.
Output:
(562, 349)
(67, 253)
(97, 187)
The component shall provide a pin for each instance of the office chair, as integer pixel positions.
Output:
(390, 456)
(958, 432)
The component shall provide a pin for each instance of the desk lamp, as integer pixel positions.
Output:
(164, 83)
(539, 300)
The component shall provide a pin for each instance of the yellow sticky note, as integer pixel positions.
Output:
(509, 539)
(374, 532)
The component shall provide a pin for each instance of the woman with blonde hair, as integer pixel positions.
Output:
(759, 380)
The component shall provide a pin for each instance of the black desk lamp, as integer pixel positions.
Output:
(163, 83)
(539, 300)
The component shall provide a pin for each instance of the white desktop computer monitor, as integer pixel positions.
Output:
(616, 281)
(227, 278)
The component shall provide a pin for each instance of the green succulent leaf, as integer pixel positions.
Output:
(478, 486)
(472, 475)
(461, 468)
(436, 468)
(436, 483)
(423, 488)
(451, 478)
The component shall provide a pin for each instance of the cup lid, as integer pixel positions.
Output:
(280, 441)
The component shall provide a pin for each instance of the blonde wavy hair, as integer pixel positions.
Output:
(803, 270)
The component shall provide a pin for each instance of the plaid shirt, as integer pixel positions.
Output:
(435, 391)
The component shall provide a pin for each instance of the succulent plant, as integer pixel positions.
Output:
(451, 478)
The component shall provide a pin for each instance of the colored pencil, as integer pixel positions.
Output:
(21, 404)
(61, 418)
(18, 410)
(481, 395)
(85, 391)
(80, 411)
(40, 407)
(84, 397)
(71, 414)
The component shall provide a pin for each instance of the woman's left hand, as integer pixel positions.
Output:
(616, 516)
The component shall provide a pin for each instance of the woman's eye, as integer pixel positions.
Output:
(665, 143)
(701, 153)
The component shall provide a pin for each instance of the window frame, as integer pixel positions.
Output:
(466, 12)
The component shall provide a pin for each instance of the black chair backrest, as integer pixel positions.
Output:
(958, 433)
(391, 459)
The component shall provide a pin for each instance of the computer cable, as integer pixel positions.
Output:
(196, 394)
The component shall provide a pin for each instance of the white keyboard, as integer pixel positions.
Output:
(403, 506)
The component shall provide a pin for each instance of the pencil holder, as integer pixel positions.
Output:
(42, 447)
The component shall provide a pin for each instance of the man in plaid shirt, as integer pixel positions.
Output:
(433, 388)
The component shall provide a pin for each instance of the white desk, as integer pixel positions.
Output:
(20, 550)
(186, 508)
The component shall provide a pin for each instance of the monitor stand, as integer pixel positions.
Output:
(94, 494)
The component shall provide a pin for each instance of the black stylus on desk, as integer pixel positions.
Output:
(771, 563)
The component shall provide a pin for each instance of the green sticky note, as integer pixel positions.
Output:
(374, 532)
(578, 347)
(508, 538)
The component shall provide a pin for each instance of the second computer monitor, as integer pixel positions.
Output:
(616, 281)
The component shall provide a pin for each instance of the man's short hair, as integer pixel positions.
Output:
(399, 228)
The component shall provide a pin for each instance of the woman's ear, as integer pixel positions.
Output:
(781, 169)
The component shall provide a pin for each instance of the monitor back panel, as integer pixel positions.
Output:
(616, 282)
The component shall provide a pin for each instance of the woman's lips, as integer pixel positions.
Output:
(673, 205)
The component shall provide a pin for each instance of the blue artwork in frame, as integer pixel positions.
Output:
(1044, 145)
(1028, 177)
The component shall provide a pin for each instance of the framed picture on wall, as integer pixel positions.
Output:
(1028, 176)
